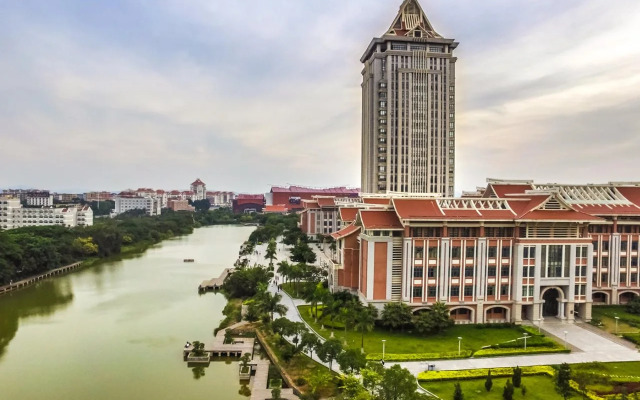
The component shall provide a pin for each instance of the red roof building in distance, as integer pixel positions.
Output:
(516, 251)
(292, 196)
(199, 190)
(247, 203)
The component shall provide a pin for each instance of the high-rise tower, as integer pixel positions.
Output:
(408, 108)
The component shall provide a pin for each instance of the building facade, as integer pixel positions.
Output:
(518, 251)
(292, 197)
(126, 202)
(408, 108)
(13, 215)
(40, 199)
(199, 190)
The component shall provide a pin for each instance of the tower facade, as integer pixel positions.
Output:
(408, 108)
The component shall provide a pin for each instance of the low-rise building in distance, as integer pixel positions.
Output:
(14, 215)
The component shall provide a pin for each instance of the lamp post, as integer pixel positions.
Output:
(526, 335)
(383, 343)
(459, 344)
(565, 338)
(539, 324)
(617, 318)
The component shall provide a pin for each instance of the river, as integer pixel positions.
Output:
(115, 331)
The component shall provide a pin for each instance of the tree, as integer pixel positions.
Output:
(523, 390)
(398, 384)
(309, 342)
(396, 315)
(365, 319)
(271, 251)
(507, 392)
(372, 376)
(634, 305)
(351, 361)
(319, 295)
(433, 321)
(302, 253)
(245, 359)
(457, 392)
(202, 205)
(329, 350)
(284, 269)
(317, 379)
(275, 393)
(488, 384)
(352, 389)
(270, 303)
(563, 376)
(517, 376)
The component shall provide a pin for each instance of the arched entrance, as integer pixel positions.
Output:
(599, 297)
(462, 315)
(497, 314)
(550, 307)
(626, 297)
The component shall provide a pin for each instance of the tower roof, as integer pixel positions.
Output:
(411, 18)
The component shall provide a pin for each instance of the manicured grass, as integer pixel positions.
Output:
(609, 378)
(626, 368)
(538, 388)
(607, 315)
(473, 337)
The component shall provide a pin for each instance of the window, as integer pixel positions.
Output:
(634, 277)
(417, 292)
(605, 246)
(455, 272)
(468, 290)
(433, 252)
(605, 262)
(504, 290)
(491, 290)
(634, 246)
(504, 271)
(418, 252)
(455, 291)
(491, 271)
(605, 278)
(417, 272)
(470, 251)
(431, 291)
(455, 252)
(527, 271)
(506, 251)
(431, 272)
(468, 272)
(492, 252)
(623, 262)
(623, 246)
(623, 277)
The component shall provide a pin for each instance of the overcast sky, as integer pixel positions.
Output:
(244, 94)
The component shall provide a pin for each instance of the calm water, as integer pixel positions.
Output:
(116, 331)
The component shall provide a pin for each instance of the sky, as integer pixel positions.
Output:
(246, 94)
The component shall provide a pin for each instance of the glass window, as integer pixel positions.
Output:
(470, 251)
(492, 252)
(433, 252)
(504, 290)
(431, 291)
(455, 291)
(491, 271)
(455, 252)
(504, 271)
(417, 292)
(623, 246)
(417, 272)
(506, 251)
(431, 272)
(491, 290)
(634, 246)
(468, 290)
(468, 272)
(419, 252)
(455, 272)
(634, 277)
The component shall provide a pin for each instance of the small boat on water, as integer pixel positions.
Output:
(188, 260)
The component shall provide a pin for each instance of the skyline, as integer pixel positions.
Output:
(101, 97)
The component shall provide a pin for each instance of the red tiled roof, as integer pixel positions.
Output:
(301, 189)
(307, 204)
(417, 209)
(344, 232)
(197, 182)
(610, 209)
(276, 208)
(259, 197)
(376, 219)
(348, 214)
(326, 201)
(503, 190)
(377, 200)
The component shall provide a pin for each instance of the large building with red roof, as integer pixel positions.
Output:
(291, 197)
(515, 251)
(247, 203)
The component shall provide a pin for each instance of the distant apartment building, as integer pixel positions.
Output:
(180, 205)
(65, 197)
(247, 203)
(513, 252)
(130, 201)
(199, 190)
(13, 215)
(98, 196)
(291, 197)
(220, 199)
(39, 199)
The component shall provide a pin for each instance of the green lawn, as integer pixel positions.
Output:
(539, 387)
(607, 315)
(473, 338)
(607, 378)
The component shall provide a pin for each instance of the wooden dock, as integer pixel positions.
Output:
(216, 283)
(34, 279)
(219, 348)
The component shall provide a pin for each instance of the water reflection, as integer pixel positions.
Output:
(198, 372)
(43, 299)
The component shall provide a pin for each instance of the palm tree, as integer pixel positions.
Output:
(270, 303)
(271, 251)
(284, 269)
(365, 320)
(319, 295)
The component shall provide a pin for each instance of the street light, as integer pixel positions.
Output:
(539, 323)
(526, 335)
(459, 343)
(565, 338)
(617, 318)
(383, 343)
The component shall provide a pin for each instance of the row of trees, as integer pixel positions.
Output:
(400, 316)
(34, 250)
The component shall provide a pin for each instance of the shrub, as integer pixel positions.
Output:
(519, 351)
(419, 356)
(300, 381)
(482, 373)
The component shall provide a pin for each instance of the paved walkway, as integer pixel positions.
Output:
(260, 381)
(586, 346)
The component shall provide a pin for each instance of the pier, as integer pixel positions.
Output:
(219, 348)
(34, 279)
(215, 283)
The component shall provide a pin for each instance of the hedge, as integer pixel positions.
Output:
(632, 337)
(519, 351)
(482, 373)
(419, 356)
